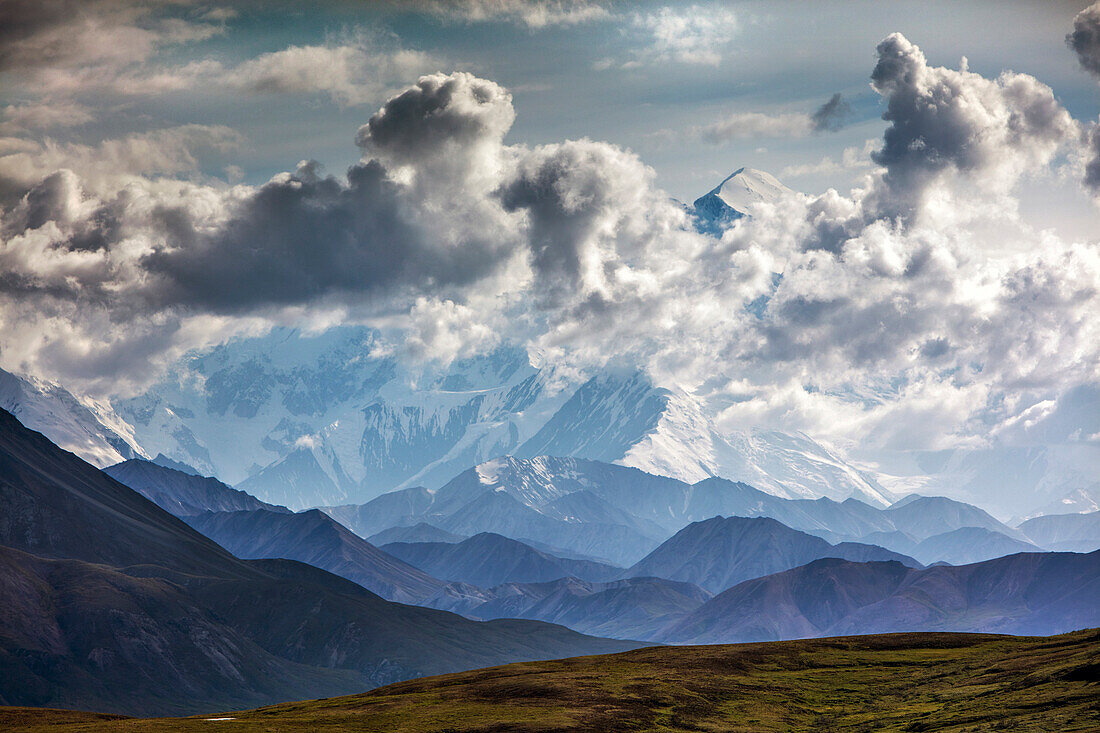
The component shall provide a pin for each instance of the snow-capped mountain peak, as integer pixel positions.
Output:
(738, 195)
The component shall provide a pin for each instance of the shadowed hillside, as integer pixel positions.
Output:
(894, 682)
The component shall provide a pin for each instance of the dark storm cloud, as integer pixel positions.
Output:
(302, 237)
(830, 116)
(1085, 38)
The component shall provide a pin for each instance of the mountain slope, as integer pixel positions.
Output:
(488, 560)
(634, 608)
(940, 682)
(1065, 532)
(1028, 593)
(924, 516)
(316, 539)
(184, 494)
(719, 553)
(968, 545)
(191, 598)
(84, 426)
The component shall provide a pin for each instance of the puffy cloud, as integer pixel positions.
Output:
(943, 120)
(111, 164)
(825, 313)
(1085, 38)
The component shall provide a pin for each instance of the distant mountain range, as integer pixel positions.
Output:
(488, 559)
(719, 553)
(1027, 593)
(116, 605)
(619, 514)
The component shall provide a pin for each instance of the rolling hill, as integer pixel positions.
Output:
(894, 682)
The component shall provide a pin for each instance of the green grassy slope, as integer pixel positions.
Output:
(890, 682)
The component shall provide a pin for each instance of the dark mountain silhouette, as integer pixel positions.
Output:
(182, 493)
(317, 539)
(119, 606)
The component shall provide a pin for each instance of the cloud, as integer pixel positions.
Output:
(531, 13)
(111, 164)
(351, 73)
(742, 125)
(830, 116)
(44, 114)
(1092, 165)
(835, 313)
(61, 45)
(947, 121)
(852, 159)
(695, 35)
(1085, 38)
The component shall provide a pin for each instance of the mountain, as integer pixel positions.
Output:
(968, 545)
(420, 532)
(1027, 593)
(309, 475)
(394, 509)
(738, 195)
(119, 606)
(1024, 684)
(723, 551)
(316, 539)
(622, 417)
(330, 418)
(633, 608)
(924, 516)
(1064, 532)
(620, 513)
(184, 494)
(488, 560)
(82, 425)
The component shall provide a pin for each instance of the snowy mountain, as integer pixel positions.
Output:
(80, 425)
(624, 418)
(736, 196)
(329, 419)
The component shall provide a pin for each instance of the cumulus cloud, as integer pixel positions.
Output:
(1085, 38)
(896, 314)
(954, 121)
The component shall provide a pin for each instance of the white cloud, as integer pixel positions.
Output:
(531, 13)
(917, 311)
(694, 35)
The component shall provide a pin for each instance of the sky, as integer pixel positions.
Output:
(464, 173)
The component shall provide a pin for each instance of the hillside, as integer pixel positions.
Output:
(894, 682)
(116, 605)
